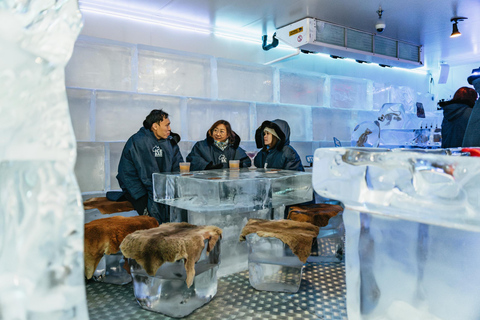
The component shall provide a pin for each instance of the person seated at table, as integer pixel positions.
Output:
(274, 139)
(154, 148)
(220, 146)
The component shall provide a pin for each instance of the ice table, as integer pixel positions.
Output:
(412, 224)
(228, 198)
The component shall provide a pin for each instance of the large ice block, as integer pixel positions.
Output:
(244, 82)
(351, 93)
(328, 123)
(175, 73)
(79, 106)
(233, 191)
(167, 291)
(330, 243)
(272, 265)
(90, 166)
(110, 269)
(404, 95)
(412, 223)
(303, 88)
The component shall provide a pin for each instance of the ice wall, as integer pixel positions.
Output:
(113, 85)
(41, 217)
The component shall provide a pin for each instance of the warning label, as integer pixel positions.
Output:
(295, 31)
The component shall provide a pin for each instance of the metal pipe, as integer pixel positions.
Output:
(283, 58)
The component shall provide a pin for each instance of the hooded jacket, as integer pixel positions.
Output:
(282, 155)
(472, 133)
(455, 119)
(143, 155)
(205, 151)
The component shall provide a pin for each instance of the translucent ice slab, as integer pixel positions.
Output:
(110, 270)
(272, 266)
(330, 243)
(412, 223)
(232, 191)
(167, 291)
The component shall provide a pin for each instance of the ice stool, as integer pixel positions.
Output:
(102, 239)
(329, 246)
(174, 267)
(277, 251)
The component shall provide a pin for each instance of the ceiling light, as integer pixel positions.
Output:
(455, 32)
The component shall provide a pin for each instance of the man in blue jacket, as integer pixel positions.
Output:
(154, 148)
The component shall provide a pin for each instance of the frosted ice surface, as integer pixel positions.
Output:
(244, 82)
(79, 106)
(380, 95)
(428, 101)
(303, 149)
(100, 64)
(120, 115)
(90, 166)
(303, 88)
(404, 95)
(329, 123)
(116, 149)
(299, 119)
(201, 114)
(41, 272)
(351, 93)
(366, 134)
(417, 227)
(392, 116)
(173, 73)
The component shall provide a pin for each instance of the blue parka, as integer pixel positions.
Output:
(455, 119)
(282, 155)
(143, 155)
(205, 152)
(472, 133)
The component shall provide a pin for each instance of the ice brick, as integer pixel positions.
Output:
(412, 222)
(404, 95)
(100, 64)
(245, 82)
(304, 149)
(110, 269)
(173, 73)
(428, 101)
(299, 119)
(380, 95)
(116, 149)
(120, 115)
(329, 123)
(330, 242)
(272, 266)
(303, 88)
(90, 166)
(351, 93)
(201, 114)
(167, 291)
(79, 106)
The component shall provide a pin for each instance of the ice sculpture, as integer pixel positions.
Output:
(412, 223)
(41, 218)
(366, 134)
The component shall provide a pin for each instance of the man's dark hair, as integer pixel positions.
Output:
(153, 117)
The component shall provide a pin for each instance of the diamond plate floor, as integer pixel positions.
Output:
(321, 296)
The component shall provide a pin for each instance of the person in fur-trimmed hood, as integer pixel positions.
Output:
(456, 113)
(274, 139)
(220, 146)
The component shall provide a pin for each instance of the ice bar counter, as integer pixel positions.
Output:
(228, 198)
(412, 231)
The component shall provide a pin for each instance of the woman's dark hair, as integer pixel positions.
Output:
(154, 117)
(230, 133)
(466, 95)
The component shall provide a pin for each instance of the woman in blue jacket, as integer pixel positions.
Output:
(274, 139)
(220, 146)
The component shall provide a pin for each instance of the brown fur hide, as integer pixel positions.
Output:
(317, 214)
(297, 235)
(106, 206)
(103, 236)
(168, 243)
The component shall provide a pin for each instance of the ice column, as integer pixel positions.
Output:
(41, 218)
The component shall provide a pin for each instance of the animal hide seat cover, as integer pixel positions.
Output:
(106, 206)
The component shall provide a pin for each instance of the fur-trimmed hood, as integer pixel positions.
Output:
(233, 144)
(282, 129)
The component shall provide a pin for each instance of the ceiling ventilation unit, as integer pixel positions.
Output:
(313, 35)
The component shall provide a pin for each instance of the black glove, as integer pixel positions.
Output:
(211, 166)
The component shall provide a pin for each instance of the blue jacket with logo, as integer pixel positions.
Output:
(143, 155)
(282, 155)
(205, 151)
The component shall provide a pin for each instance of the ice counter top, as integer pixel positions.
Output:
(241, 190)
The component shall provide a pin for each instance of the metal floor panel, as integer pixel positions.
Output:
(321, 296)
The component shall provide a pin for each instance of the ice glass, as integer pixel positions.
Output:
(272, 266)
(234, 164)
(251, 155)
(184, 167)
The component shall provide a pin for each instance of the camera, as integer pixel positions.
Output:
(380, 26)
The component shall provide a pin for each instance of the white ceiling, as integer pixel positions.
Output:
(424, 22)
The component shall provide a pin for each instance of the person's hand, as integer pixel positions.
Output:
(211, 166)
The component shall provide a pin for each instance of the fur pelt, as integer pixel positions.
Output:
(168, 243)
(317, 214)
(297, 235)
(103, 236)
(106, 206)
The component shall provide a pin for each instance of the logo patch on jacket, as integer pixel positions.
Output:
(222, 158)
(157, 151)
